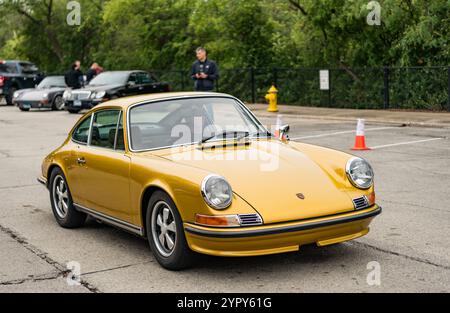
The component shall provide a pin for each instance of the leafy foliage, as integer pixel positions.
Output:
(163, 34)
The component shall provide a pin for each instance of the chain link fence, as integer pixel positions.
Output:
(414, 88)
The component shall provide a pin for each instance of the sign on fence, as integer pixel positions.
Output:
(324, 79)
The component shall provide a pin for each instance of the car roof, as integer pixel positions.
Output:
(128, 101)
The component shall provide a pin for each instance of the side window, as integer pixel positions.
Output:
(29, 68)
(81, 133)
(144, 78)
(104, 127)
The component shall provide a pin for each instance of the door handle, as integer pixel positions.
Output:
(81, 161)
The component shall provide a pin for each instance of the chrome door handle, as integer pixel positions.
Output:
(81, 161)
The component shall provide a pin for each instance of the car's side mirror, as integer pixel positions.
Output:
(283, 132)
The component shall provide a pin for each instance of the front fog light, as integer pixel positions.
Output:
(360, 173)
(217, 192)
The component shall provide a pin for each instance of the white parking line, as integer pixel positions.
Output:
(340, 133)
(405, 143)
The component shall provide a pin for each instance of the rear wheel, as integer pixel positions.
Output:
(165, 233)
(58, 103)
(9, 96)
(61, 200)
(23, 109)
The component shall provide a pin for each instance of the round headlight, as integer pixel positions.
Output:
(360, 173)
(45, 95)
(16, 94)
(217, 192)
(67, 94)
(100, 94)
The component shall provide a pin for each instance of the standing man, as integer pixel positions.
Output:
(74, 77)
(93, 71)
(204, 72)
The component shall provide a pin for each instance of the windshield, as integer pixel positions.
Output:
(52, 81)
(186, 121)
(110, 78)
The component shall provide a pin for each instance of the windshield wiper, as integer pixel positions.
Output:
(224, 135)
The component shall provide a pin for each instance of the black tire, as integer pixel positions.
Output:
(24, 109)
(9, 96)
(56, 104)
(181, 257)
(72, 218)
(74, 111)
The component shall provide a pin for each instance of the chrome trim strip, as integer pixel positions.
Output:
(208, 95)
(111, 220)
(282, 229)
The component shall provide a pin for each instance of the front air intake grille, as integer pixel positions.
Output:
(250, 219)
(80, 95)
(361, 203)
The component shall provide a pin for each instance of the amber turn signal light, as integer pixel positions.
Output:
(371, 198)
(217, 221)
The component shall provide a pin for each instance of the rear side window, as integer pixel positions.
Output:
(8, 68)
(81, 133)
(104, 129)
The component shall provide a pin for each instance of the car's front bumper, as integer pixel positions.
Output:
(284, 237)
(32, 104)
(83, 104)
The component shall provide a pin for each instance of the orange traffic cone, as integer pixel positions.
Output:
(360, 139)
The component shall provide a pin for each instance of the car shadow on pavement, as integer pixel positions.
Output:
(307, 255)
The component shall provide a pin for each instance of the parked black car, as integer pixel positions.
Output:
(111, 85)
(48, 94)
(16, 75)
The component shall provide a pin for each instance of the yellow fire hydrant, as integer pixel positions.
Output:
(271, 97)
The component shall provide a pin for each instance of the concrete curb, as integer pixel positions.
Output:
(332, 115)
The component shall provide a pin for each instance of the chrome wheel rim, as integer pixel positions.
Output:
(59, 103)
(164, 230)
(60, 196)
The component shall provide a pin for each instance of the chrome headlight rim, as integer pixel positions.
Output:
(348, 168)
(206, 198)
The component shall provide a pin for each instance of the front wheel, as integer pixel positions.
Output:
(58, 103)
(24, 109)
(61, 200)
(165, 233)
(73, 110)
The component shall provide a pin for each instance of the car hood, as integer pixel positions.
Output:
(270, 176)
(37, 94)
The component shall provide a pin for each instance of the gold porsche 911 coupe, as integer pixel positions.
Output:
(198, 173)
